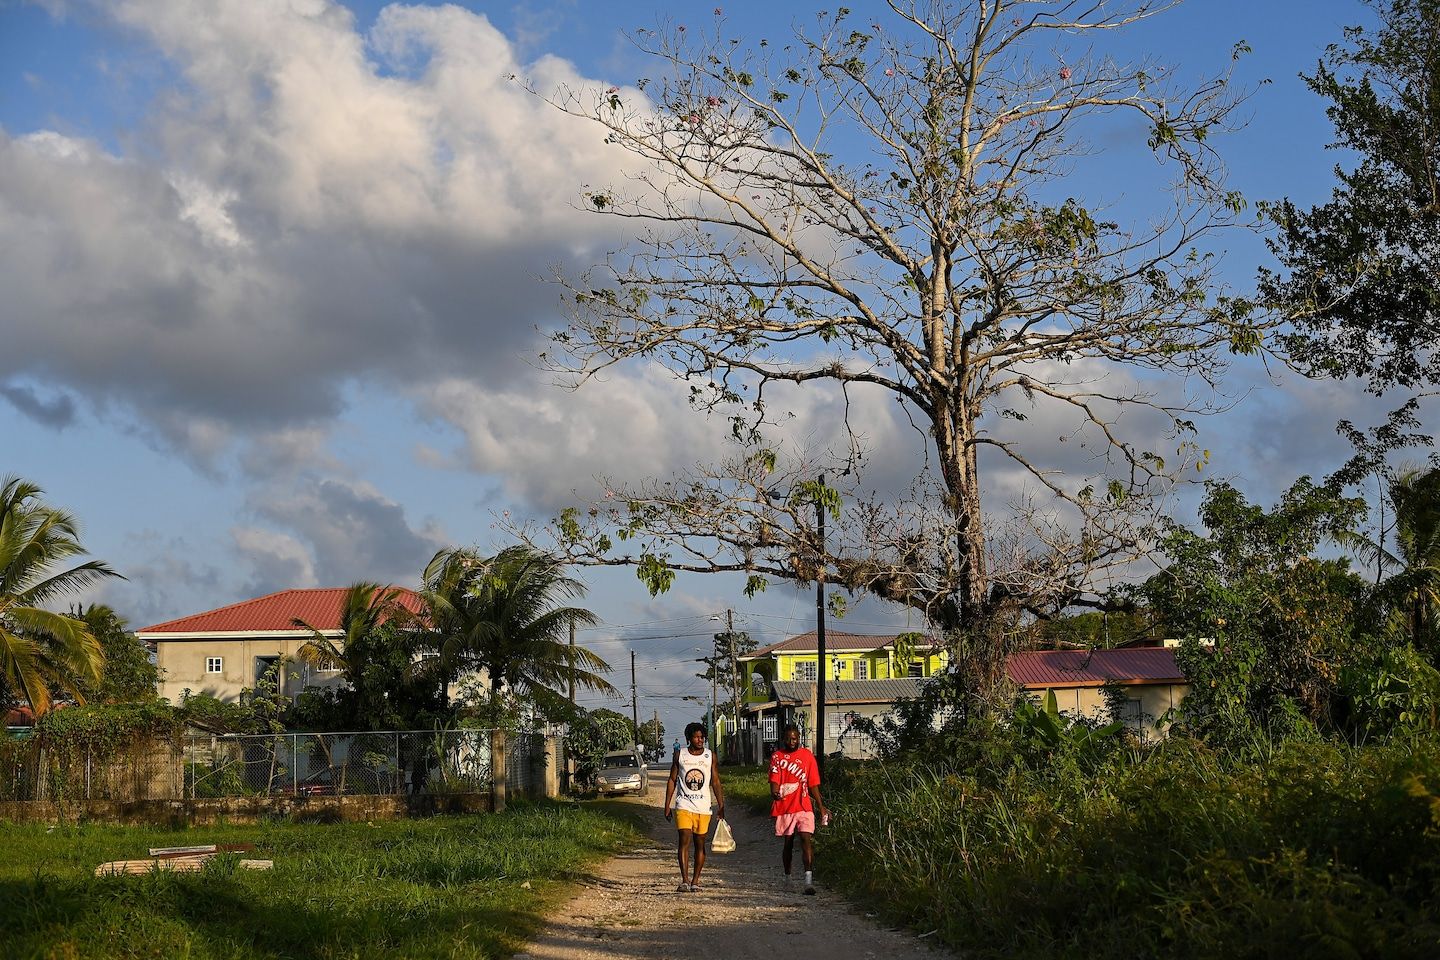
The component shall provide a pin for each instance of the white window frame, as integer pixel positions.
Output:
(805, 671)
(326, 665)
(214, 665)
(860, 670)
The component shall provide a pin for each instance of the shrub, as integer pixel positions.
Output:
(1177, 851)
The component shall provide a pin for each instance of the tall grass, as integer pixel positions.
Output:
(444, 887)
(1318, 851)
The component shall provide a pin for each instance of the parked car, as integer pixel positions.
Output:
(623, 772)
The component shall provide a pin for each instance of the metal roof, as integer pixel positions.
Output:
(835, 642)
(272, 613)
(848, 691)
(1093, 668)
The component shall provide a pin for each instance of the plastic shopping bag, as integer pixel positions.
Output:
(724, 840)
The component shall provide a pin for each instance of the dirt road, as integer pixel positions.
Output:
(630, 909)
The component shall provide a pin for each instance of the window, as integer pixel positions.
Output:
(862, 670)
(917, 668)
(214, 664)
(326, 665)
(1127, 711)
(805, 670)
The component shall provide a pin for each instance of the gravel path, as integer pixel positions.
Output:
(630, 909)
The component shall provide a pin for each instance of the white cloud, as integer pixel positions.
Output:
(309, 205)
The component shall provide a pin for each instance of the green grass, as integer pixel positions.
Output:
(748, 787)
(452, 887)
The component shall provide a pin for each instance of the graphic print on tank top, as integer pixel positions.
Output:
(693, 786)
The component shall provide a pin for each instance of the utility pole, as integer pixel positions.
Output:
(572, 663)
(634, 701)
(714, 720)
(734, 674)
(820, 632)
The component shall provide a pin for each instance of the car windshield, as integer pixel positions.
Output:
(622, 760)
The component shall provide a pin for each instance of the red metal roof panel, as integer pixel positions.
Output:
(320, 607)
(1093, 668)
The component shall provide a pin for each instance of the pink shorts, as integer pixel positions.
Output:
(789, 823)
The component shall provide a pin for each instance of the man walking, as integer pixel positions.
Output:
(694, 781)
(795, 800)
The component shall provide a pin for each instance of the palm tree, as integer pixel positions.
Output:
(502, 614)
(1410, 598)
(40, 649)
(364, 607)
(1415, 591)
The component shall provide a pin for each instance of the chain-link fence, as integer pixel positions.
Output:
(382, 763)
(143, 770)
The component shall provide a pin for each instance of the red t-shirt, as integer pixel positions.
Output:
(796, 773)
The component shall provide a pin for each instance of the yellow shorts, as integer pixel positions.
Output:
(692, 821)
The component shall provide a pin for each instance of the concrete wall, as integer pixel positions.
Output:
(241, 809)
(183, 666)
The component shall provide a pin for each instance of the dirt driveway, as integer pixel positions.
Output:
(630, 909)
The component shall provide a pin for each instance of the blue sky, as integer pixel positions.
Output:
(249, 355)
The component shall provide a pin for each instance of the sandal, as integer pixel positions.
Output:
(683, 888)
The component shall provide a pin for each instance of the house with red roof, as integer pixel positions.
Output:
(1139, 685)
(866, 675)
(222, 651)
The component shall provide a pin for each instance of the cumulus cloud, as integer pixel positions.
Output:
(165, 577)
(332, 533)
(309, 204)
(57, 412)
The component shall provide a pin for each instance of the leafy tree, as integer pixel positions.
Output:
(1359, 271)
(41, 651)
(502, 615)
(948, 270)
(1094, 628)
(590, 734)
(651, 736)
(1393, 684)
(363, 609)
(1267, 624)
(128, 675)
(1413, 593)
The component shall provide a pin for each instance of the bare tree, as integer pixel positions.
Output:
(944, 268)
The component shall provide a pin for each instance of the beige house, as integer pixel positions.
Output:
(221, 652)
(1145, 683)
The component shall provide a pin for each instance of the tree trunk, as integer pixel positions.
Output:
(966, 608)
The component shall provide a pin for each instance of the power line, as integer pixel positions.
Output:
(853, 623)
(648, 623)
(666, 636)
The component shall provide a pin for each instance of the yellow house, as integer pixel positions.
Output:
(864, 677)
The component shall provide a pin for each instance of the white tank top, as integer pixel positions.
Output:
(692, 786)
